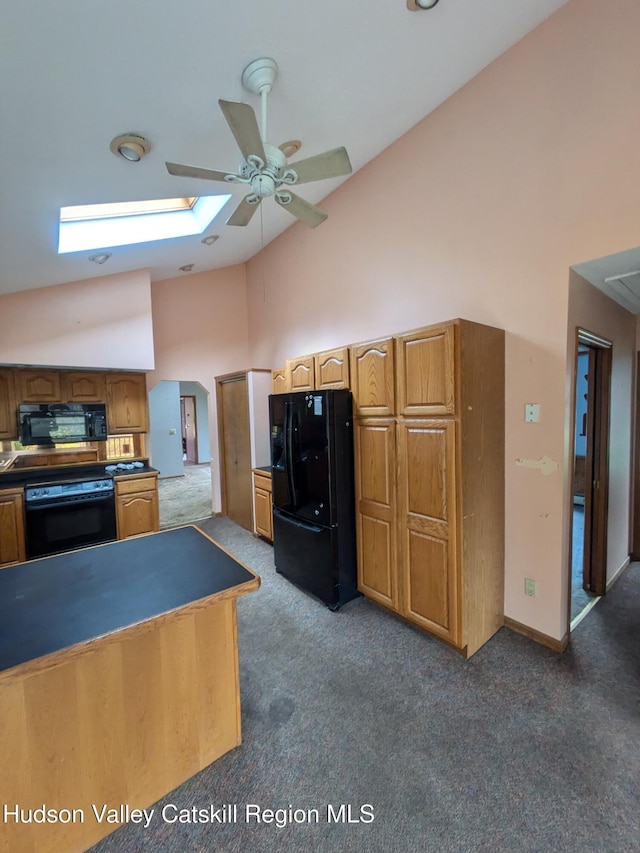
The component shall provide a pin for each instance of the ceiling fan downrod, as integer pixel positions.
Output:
(258, 77)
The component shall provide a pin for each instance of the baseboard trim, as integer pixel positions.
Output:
(537, 636)
(619, 572)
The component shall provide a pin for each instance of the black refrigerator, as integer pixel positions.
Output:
(313, 496)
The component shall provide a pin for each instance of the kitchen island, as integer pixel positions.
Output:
(118, 681)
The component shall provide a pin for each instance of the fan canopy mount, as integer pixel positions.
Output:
(265, 168)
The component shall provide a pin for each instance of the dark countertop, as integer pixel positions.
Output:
(56, 602)
(46, 474)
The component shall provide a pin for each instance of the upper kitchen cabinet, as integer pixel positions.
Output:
(39, 386)
(332, 368)
(279, 382)
(8, 405)
(372, 378)
(425, 371)
(301, 373)
(127, 408)
(84, 387)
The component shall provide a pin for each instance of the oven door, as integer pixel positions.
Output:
(62, 525)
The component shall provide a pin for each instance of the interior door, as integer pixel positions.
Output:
(189, 429)
(235, 449)
(592, 398)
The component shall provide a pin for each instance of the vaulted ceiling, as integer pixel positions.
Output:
(74, 75)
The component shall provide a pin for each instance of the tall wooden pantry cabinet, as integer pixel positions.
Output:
(429, 444)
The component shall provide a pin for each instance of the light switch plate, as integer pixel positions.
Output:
(532, 413)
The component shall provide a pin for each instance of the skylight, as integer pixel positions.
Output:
(101, 226)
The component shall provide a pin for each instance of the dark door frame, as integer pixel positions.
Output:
(596, 461)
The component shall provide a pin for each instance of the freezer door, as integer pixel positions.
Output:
(305, 554)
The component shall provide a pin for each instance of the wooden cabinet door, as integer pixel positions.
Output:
(127, 409)
(137, 506)
(8, 405)
(262, 505)
(12, 543)
(428, 528)
(40, 386)
(376, 522)
(426, 377)
(301, 373)
(84, 387)
(137, 513)
(332, 368)
(279, 381)
(234, 434)
(372, 378)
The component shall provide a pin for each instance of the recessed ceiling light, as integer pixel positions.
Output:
(416, 5)
(210, 240)
(187, 268)
(100, 258)
(130, 146)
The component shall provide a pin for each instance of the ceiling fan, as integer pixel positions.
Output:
(265, 168)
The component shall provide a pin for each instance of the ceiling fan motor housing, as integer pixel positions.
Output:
(265, 181)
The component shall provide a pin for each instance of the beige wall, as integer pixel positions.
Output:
(99, 322)
(200, 332)
(479, 211)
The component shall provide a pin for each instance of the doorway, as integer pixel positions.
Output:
(189, 430)
(591, 409)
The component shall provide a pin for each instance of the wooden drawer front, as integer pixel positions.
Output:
(40, 386)
(332, 368)
(375, 450)
(130, 485)
(279, 381)
(428, 526)
(262, 481)
(372, 378)
(426, 378)
(301, 373)
(84, 387)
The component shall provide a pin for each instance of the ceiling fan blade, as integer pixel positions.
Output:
(302, 210)
(244, 126)
(195, 172)
(244, 211)
(331, 164)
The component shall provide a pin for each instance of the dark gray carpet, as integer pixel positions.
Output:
(517, 749)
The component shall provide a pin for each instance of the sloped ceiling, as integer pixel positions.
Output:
(74, 75)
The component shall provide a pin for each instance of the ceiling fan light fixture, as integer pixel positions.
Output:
(130, 147)
(418, 5)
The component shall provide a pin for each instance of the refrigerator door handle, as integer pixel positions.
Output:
(288, 428)
(305, 525)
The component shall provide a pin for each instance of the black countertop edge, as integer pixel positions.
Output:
(21, 476)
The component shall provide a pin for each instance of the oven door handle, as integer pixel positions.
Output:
(36, 505)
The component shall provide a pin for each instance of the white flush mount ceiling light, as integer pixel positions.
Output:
(417, 5)
(130, 146)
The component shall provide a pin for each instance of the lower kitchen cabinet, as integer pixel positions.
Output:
(12, 541)
(137, 507)
(262, 505)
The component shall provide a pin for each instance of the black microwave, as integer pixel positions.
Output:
(62, 423)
